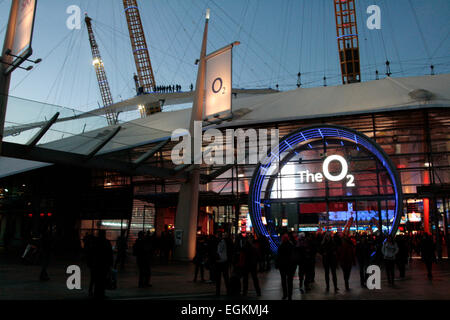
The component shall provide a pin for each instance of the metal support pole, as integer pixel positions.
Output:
(187, 209)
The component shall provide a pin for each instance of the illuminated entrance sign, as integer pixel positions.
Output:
(307, 176)
(304, 137)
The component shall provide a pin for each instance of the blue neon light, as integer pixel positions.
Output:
(303, 136)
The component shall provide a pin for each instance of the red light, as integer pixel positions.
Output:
(30, 215)
(42, 214)
(49, 214)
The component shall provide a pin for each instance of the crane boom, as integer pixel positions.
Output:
(348, 43)
(141, 54)
(103, 84)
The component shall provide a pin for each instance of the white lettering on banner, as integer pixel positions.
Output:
(218, 84)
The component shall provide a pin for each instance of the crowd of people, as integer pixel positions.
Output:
(167, 89)
(229, 261)
(345, 251)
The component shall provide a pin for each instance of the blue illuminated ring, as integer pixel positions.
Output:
(304, 136)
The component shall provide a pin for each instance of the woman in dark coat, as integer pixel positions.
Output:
(287, 265)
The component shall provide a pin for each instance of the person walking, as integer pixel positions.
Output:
(250, 257)
(222, 264)
(427, 250)
(329, 248)
(287, 265)
(389, 251)
(347, 259)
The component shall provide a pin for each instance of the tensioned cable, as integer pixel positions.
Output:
(249, 40)
(420, 30)
(393, 37)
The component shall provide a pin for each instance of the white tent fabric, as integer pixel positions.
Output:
(365, 97)
(380, 95)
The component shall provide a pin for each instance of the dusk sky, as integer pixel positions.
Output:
(278, 40)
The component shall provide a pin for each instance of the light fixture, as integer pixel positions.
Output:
(96, 61)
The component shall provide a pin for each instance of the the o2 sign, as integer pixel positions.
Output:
(306, 176)
(260, 184)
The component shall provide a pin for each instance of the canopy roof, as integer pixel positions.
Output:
(366, 97)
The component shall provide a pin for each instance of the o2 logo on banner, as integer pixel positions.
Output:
(218, 83)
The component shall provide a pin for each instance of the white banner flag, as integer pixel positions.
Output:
(24, 26)
(218, 84)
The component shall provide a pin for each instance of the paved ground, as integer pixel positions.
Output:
(174, 282)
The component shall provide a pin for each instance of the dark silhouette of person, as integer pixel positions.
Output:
(250, 257)
(402, 256)
(45, 249)
(142, 251)
(347, 258)
(201, 252)
(191, 87)
(222, 264)
(390, 250)
(121, 247)
(287, 265)
(89, 240)
(211, 258)
(329, 248)
(363, 252)
(427, 250)
(301, 248)
(310, 260)
(101, 263)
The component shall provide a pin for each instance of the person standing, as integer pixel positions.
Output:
(141, 251)
(389, 251)
(200, 258)
(222, 264)
(402, 257)
(287, 265)
(45, 249)
(347, 259)
(329, 248)
(427, 249)
(363, 257)
(250, 257)
(301, 248)
(121, 247)
(102, 263)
